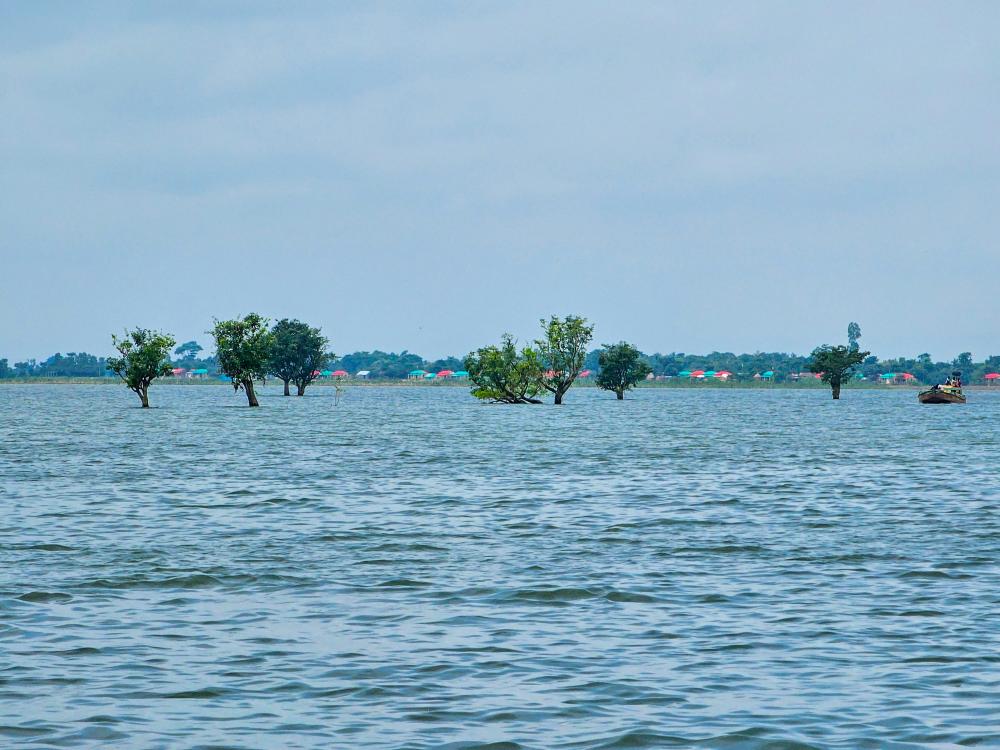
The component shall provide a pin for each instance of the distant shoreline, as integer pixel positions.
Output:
(588, 383)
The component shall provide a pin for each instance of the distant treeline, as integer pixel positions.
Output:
(789, 366)
(391, 365)
(388, 365)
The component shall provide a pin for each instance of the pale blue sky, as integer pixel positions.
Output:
(690, 176)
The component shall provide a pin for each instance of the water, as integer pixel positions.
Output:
(409, 569)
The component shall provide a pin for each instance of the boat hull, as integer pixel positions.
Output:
(940, 396)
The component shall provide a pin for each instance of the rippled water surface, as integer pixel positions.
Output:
(409, 569)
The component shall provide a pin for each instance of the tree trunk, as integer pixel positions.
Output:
(144, 397)
(836, 390)
(621, 394)
(287, 392)
(558, 397)
(300, 389)
(251, 395)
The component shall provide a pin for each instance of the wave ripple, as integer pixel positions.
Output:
(406, 569)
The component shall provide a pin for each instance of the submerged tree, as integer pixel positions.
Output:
(242, 348)
(836, 364)
(298, 353)
(505, 375)
(621, 367)
(563, 352)
(143, 355)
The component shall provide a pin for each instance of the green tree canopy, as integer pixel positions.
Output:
(505, 375)
(835, 364)
(447, 363)
(70, 365)
(382, 364)
(188, 350)
(242, 349)
(621, 367)
(853, 335)
(563, 351)
(298, 351)
(143, 355)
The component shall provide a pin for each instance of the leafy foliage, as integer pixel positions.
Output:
(505, 375)
(563, 351)
(963, 361)
(297, 352)
(242, 348)
(381, 364)
(836, 363)
(142, 356)
(853, 335)
(188, 350)
(621, 367)
(448, 363)
(71, 365)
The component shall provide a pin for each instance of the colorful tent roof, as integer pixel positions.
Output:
(696, 373)
(585, 373)
(908, 376)
(768, 374)
(684, 374)
(326, 373)
(417, 373)
(709, 373)
(888, 376)
(992, 375)
(178, 371)
(430, 375)
(340, 373)
(460, 374)
(445, 373)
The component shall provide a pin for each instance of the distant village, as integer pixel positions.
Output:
(379, 365)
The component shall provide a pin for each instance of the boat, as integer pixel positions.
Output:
(942, 394)
(949, 393)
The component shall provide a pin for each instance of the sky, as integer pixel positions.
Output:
(689, 176)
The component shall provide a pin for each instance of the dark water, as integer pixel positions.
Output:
(408, 569)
